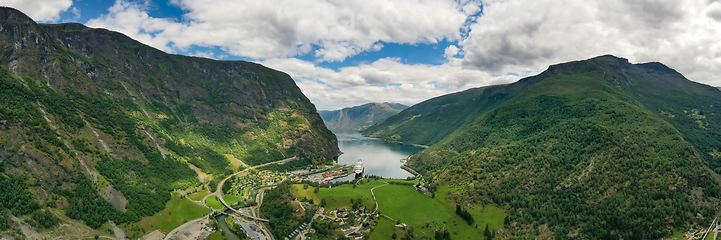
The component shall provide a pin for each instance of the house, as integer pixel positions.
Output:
(366, 229)
(422, 189)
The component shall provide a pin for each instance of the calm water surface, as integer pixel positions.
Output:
(381, 158)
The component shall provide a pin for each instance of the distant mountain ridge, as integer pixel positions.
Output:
(589, 149)
(358, 118)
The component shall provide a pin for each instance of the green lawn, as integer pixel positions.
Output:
(338, 197)
(230, 199)
(176, 212)
(427, 214)
(214, 203)
(198, 195)
(384, 229)
(412, 207)
(217, 235)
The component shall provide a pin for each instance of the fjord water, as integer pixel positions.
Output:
(380, 158)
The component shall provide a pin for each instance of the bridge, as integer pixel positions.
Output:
(219, 191)
(240, 212)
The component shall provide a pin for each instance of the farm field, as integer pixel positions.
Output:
(338, 197)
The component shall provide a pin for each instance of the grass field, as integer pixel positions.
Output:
(217, 235)
(176, 212)
(230, 199)
(384, 229)
(338, 197)
(428, 215)
(214, 203)
(409, 205)
(198, 195)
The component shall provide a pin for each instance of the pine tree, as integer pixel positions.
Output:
(487, 232)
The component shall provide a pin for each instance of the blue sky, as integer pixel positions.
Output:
(349, 52)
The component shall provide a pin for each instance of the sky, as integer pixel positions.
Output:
(343, 53)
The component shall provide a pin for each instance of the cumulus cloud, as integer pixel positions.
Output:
(132, 19)
(510, 36)
(386, 79)
(521, 35)
(40, 10)
(331, 30)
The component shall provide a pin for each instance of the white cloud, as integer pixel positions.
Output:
(385, 80)
(132, 19)
(451, 51)
(511, 36)
(515, 36)
(40, 10)
(76, 14)
(331, 30)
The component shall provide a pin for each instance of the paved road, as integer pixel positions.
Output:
(219, 191)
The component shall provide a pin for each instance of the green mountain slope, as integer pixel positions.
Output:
(359, 117)
(428, 122)
(136, 121)
(579, 154)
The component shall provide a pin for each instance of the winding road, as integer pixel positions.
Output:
(219, 193)
(374, 195)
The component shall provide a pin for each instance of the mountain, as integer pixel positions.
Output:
(359, 117)
(593, 149)
(88, 114)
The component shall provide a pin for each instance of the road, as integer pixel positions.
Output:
(374, 195)
(219, 191)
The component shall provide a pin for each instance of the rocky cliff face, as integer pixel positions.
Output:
(91, 101)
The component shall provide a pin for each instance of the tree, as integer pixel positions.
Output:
(316, 189)
(487, 232)
(394, 236)
(322, 202)
(506, 221)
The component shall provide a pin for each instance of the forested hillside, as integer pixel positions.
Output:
(595, 149)
(104, 127)
(359, 117)
(428, 122)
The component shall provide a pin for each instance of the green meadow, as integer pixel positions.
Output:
(177, 211)
(197, 196)
(427, 215)
(340, 196)
(214, 203)
(230, 199)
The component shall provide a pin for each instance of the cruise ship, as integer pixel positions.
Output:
(358, 168)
